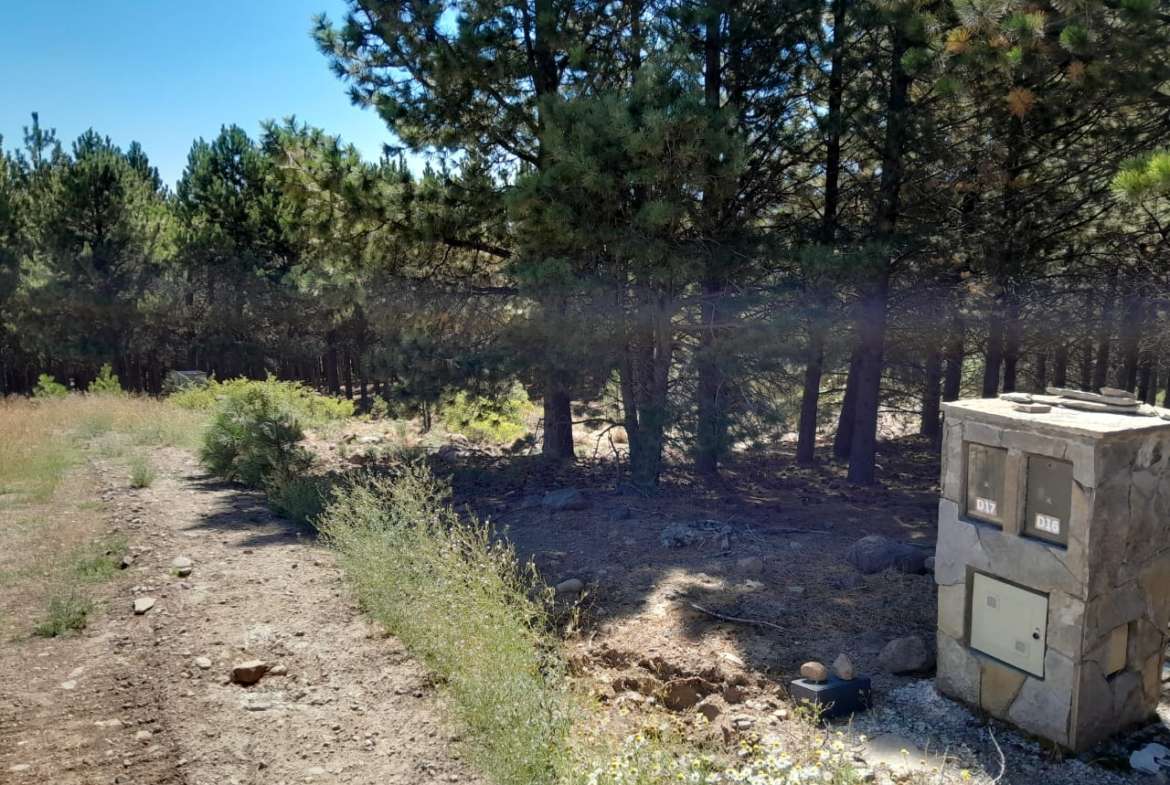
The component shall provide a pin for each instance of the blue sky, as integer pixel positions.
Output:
(164, 72)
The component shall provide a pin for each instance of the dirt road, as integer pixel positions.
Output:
(148, 699)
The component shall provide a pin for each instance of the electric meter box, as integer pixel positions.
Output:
(1053, 567)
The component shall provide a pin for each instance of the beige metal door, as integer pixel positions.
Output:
(1009, 623)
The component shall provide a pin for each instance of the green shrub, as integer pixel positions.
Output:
(254, 436)
(299, 498)
(379, 409)
(100, 560)
(463, 605)
(106, 383)
(310, 407)
(141, 473)
(494, 420)
(67, 612)
(48, 387)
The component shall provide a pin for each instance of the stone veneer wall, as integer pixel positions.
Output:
(1115, 570)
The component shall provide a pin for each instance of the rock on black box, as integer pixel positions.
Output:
(835, 697)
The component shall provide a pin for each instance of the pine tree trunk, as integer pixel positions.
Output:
(1011, 345)
(711, 428)
(872, 329)
(1060, 365)
(1104, 335)
(806, 443)
(931, 426)
(843, 438)
(953, 378)
(558, 420)
(331, 378)
(1131, 330)
(994, 357)
(1145, 372)
(1041, 380)
(815, 357)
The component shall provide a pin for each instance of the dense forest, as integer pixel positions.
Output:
(716, 220)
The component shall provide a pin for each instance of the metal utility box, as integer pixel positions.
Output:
(1009, 623)
(1049, 500)
(1053, 566)
(985, 482)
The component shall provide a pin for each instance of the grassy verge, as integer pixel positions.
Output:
(56, 548)
(460, 603)
(463, 605)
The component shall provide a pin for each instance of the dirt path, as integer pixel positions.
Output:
(133, 700)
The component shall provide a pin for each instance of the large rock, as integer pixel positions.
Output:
(906, 655)
(250, 672)
(843, 667)
(142, 605)
(875, 553)
(564, 499)
(814, 671)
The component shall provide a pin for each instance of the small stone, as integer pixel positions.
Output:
(250, 672)
(142, 605)
(743, 723)
(733, 694)
(180, 562)
(875, 553)
(709, 709)
(126, 562)
(143, 735)
(752, 565)
(203, 663)
(843, 667)
(68, 685)
(278, 670)
(564, 499)
(108, 723)
(182, 572)
(571, 586)
(906, 655)
(814, 671)
(19, 767)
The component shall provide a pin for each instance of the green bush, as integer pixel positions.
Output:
(464, 606)
(310, 407)
(48, 387)
(254, 436)
(299, 498)
(106, 383)
(141, 473)
(483, 419)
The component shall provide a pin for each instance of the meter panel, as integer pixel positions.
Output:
(1009, 623)
(986, 470)
(1049, 499)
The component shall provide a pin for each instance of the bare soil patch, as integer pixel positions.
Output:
(130, 701)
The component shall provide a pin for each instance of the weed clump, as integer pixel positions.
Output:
(141, 473)
(67, 612)
(310, 407)
(467, 609)
(300, 498)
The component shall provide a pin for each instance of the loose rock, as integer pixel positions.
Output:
(752, 565)
(571, 586)
(875, 553)
(843, 667)
(203, 663)
(906, 655)
(564, 499)
(179, 562)
(250, 672)
(814, 671)
(142, 605)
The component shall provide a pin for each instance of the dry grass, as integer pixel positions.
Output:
(55, 544)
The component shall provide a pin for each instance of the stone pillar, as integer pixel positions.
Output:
(1107, 588)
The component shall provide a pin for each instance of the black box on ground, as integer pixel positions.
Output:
(835, 697)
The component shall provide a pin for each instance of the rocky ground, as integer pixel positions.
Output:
(697, 605)
(149, 698)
